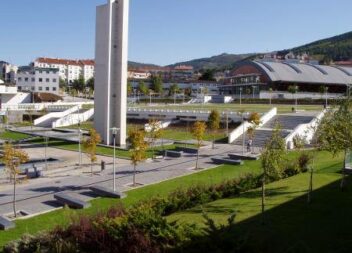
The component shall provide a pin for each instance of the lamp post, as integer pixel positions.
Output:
(243, 135)
(114, 131)
(79, 144)
(240, 96)
(45, 151)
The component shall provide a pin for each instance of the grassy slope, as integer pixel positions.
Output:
(50, 220)
(290, 221)
(105, 151)
(8, 135)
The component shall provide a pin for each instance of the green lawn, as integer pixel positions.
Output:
(13, 136)
(50, 220)
(323, 226)
(105, 151)
(237, 107)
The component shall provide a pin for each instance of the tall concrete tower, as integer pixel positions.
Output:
(111, 50)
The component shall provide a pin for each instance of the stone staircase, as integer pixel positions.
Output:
(287, 122)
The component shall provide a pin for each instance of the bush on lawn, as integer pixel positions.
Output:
(141, 228)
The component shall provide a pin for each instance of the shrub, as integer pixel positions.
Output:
(304, 160)
(291, 168)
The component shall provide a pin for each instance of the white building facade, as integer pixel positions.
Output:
(69, 70)
(34, 79)
(8, 72)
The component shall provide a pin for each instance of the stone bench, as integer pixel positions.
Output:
(251, 157)
(219, 160)
(174, 154)
(106, 192)
(187, 150)
(5, 223)
(72, 202)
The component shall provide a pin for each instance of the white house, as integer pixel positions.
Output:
(69, 70)
(36, 79)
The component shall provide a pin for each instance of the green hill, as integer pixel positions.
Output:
(337, 48)
(216, 62)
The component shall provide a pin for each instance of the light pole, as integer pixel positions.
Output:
(45, 151)
(79, 144)
(240, 97)
(114, 131)
(243, 135)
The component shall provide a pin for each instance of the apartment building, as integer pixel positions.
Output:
(35, 79)
(69, 70)
(8, 72)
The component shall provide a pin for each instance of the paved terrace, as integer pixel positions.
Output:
(36, 196)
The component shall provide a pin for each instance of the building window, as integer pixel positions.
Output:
(19, 88)
(40, 71)
(33, 79)
(47, 88)
(40, 80)
(48, 72)
(47, 80)
(40, 88)
(26, 79)
(19, 79)
(32, 88)
(54, 88)
(54, 80)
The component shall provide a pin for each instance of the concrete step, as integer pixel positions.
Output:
(288, 121)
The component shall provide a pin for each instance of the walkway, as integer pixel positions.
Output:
(37, 196)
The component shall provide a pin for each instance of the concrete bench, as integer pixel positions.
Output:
(250, 157)
(106, 192)
(187, 150)
(72, 202)
(219, 160)
(174, 154)
(5, 223)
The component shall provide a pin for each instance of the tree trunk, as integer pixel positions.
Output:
(14, 196)
(263, 198)
(310, 191)
(342, 185)
(197, 159)
(134, 175)
(213, 144)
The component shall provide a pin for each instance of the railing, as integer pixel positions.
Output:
(73, 119)
(56, 115)
(242, 129)
(304, 131)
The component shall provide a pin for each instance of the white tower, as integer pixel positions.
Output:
(111, 59)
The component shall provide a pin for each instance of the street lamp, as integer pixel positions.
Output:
(79, 144)
(114, 131)
(45, 150)
(240, 96)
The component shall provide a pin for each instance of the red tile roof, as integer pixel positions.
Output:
(65, 61)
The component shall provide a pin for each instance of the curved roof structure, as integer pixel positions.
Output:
(305, 73)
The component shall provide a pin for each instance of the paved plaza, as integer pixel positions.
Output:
(36, 196)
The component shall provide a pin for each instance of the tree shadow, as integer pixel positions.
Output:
(295, 226)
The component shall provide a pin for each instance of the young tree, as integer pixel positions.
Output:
(138, 147)
(155, 132)
(13, 158)
(272, 159)
(143, 88)
(293, 89)
(208, 75)
(335, 131)
(90, 83)
(174, 89)
(129, 89)
(157, 85)
(79, 84)
(198, 131)
(214, 120)
(253, 119)
(90, 146)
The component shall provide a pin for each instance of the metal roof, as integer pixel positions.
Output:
(306, 73)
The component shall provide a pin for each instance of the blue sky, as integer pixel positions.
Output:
(168, 31)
